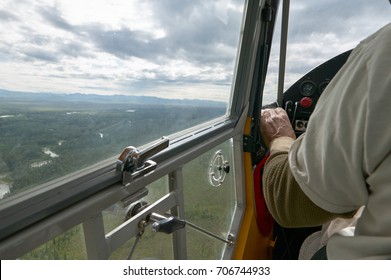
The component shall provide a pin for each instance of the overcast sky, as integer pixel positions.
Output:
(320, 30)
(169, 48)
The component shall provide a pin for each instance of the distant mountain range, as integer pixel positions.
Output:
(34, 97)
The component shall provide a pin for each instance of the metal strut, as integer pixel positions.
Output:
(142, 225)
(166, 224)
(169, 224)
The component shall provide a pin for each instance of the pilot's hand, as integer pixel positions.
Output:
(274, 124)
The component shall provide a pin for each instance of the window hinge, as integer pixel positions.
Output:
(134, 163)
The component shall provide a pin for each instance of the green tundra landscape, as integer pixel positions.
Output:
(44, 136)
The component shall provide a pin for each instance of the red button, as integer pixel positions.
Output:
(306, 102)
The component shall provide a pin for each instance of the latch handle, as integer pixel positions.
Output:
(153, 150)
(164, 224)
(133, 163)
(131, 159)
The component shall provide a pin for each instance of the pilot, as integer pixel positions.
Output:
(343, 161)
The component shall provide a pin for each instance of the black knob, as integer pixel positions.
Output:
(168, 225)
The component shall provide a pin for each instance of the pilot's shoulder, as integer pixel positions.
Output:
(379, 39)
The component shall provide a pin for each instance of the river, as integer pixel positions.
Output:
(4, 189)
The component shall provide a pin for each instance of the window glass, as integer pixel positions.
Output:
(210, 200)
(67, 246)
(115, 215)
(80, 80)
(320, 30)
(151, 246)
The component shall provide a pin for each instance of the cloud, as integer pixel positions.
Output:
(190, 36)
(139, 47)
(191, 33)
(39, 54)
(126, 43)
(320, 30)
(53, 16)
(323, 29)
(7, 16)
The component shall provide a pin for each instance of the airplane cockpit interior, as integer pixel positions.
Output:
(130, 129)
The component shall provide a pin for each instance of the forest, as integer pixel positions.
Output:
(45, 136)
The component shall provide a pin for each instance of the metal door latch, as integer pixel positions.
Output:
(218, 169)
(134, 163)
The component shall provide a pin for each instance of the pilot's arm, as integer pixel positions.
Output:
(344, 160)
(286, 201)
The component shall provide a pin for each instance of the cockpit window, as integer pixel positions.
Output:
(81, 80)
(319, 31)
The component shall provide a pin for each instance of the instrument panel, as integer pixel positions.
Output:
(300, 99)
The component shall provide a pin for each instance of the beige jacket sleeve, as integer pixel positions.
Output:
(287, 203)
